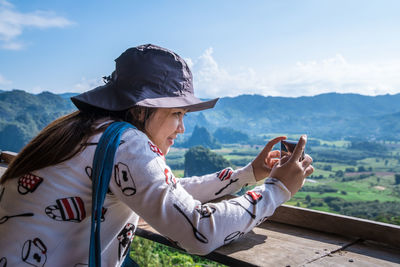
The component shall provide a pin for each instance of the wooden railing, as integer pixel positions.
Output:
(296, 236)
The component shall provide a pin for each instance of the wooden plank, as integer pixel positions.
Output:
(270, 244)
(146, 231)
(7, 156)
(361, 254)
(338, 224)
(275, 244)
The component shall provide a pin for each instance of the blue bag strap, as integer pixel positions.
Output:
(103, 163)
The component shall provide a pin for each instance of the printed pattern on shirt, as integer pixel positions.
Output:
(34, 252)
(205, 211)
(199, 236)
(226, 186)
(237, 203)
(125, 239)
(124, 179)
(233, 236)
(156, 150)
(88, 171)
(28, 183)
(225, 174)
(71, 209)
(169, 178)
(253, 197)
(7, 217)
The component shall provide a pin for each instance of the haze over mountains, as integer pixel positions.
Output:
(328, 116)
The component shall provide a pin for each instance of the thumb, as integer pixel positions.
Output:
(298, 151)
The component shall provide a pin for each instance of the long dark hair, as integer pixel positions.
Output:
(65, 137)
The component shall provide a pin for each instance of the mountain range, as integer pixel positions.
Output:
(329, 116)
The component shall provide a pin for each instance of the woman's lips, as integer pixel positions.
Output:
(170, 141)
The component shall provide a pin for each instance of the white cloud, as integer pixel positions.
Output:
(4, 81)
(210, 80)
(86, 84)
(334, 74)
(13, 23)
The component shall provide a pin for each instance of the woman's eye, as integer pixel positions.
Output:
(180, 114)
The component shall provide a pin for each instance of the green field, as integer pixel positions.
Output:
(351, 181)
(354, 182)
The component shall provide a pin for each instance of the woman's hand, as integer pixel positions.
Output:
(263, 163)
(291, 171)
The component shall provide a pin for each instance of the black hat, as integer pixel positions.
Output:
(148, 76)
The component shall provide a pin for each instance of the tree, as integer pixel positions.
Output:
(339, 173)
(227, 135)
(327, 168)
(200, 160)
(361, 169)
(308, 199)
(201, 137)
(397, 178)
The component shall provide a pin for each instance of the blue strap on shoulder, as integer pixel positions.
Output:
(103, 163)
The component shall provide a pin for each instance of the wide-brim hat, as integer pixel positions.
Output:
(148, 76)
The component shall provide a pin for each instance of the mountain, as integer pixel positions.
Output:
(68, 95)
(328, 116)
(23, 115)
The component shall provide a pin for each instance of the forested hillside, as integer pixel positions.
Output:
(23, 115)
(327, 116)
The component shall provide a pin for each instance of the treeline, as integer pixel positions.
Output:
(357, 150)
(387, 212)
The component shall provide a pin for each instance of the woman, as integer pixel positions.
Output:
(46, 191)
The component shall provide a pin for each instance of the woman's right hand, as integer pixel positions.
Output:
(291, 171)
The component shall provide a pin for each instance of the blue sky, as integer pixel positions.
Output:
(278, 48)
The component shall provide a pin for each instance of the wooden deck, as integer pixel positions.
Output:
(280, 244)
(302, 237)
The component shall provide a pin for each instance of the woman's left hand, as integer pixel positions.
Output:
(264, 162)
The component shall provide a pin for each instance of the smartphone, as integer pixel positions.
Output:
(287, 148)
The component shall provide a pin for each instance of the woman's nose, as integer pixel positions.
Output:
(181, 127)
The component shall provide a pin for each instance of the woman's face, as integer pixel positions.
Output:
(163, 127)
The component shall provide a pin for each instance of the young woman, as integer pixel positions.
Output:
(45, 194)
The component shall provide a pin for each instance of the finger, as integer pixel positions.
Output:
(273, 142)
(272, 163)
(274, 154)
(299, 148)
(309, 170)
(284, 160)
(307, 160)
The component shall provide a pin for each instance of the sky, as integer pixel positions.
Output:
(285, 48)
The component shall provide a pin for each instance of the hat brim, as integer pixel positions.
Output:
(106, 97)
(189, 103)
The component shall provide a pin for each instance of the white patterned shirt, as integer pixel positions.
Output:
(45, 215)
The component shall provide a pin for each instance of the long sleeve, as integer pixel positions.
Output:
(211, 186)
(144, 182)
